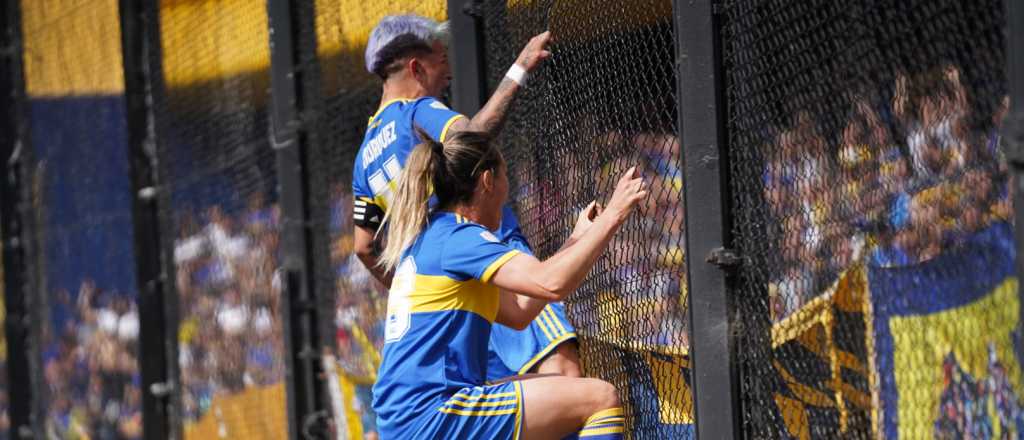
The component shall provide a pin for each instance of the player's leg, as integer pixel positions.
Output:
(559, 406)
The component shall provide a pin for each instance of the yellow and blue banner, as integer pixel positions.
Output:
(945, 335)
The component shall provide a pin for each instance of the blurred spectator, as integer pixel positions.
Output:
(943, 183)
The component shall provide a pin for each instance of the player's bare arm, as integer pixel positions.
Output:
(492, 116)
(515, 308)
(558, 276)
(366, 250)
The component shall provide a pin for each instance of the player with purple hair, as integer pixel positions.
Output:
(408, 53)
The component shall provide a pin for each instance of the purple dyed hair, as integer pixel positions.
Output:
(393, 26)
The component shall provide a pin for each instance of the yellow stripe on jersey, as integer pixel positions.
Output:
(483, 396)
(497, 265)
(495, 412)
(481, 403)
(543, 326)
(546, 317)
(435, 293)
(519, 415)
(558, 322)
(447, 125)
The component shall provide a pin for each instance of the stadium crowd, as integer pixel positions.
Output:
(901, 180)
(230, 334)
(896, 183)
(360, 310)
(644, 267)
(90, 365)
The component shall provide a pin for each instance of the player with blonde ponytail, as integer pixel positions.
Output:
(410, 199)
(453, 279)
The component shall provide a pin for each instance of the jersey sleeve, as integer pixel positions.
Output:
(360, 188)
(434, 117)
(365, 210)
(509, 232)
(474, 252)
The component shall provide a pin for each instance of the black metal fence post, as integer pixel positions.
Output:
(137, 21)
(708, 226)
(469, 84)
(1013, 130)
(18, 321)
(307, 400)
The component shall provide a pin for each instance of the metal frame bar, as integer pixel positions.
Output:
(154, 358)
(1013, 128)
(155, 91)
(15, 222)
(469, 82)
(1015, 60)
(702, 119)
(308, 406)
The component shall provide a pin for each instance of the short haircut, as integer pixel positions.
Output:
(400, 36)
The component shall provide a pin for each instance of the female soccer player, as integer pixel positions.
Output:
(454, 279)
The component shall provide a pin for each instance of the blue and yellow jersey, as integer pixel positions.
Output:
(440, 312)
(390, 138)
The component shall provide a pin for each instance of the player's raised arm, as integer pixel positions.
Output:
(492, 116)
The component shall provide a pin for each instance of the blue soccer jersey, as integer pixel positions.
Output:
(440, 312)
(389, 140)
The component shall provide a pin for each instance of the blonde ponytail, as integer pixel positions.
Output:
(409, 211)
(451, 170)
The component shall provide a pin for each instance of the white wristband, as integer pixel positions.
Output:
(517, 74)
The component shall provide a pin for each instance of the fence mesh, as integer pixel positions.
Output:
(81, 201)
(877, 296)
(220, 206)
(340, 98)
(605, 101)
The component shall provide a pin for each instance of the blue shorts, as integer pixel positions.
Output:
(512, 352)
(485, 412)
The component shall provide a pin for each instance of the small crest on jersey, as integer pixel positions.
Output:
(439, 105)
(487, 235)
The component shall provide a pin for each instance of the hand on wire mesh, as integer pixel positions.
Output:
(535, 51)
(630, 190)
(586, 218)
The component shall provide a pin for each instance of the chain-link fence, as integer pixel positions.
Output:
(81, 201)
(871, 201)
(341, 97)
(605, 101)
(219, 183)
(871, 205)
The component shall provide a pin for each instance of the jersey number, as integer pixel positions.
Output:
(398, 301)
